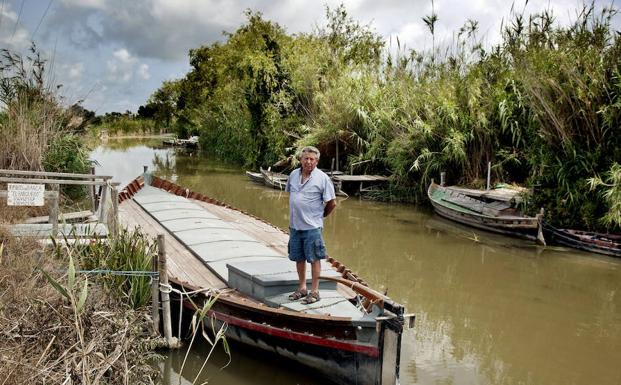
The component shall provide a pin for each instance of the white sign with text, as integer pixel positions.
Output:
(25, 194)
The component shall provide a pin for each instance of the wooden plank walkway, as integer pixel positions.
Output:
(87, 215)
(360, 178)
(44, 230)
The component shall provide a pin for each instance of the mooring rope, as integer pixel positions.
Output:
(127, 273)
(167, 288)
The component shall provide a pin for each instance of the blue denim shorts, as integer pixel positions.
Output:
(306, 245)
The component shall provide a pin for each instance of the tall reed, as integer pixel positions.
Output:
(118, 259)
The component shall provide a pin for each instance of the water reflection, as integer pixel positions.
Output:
(243, 368)
(490, 309)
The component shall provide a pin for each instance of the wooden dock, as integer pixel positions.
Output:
(98, 222)
(360, 178)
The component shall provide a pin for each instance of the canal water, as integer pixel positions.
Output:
(489, 309)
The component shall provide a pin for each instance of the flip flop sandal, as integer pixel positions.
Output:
(311, 298)
(298, 294)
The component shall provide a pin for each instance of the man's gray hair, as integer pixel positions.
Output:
(310, 149)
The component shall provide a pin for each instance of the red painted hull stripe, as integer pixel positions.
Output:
(295, 336)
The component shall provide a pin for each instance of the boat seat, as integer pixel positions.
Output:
(264, 279)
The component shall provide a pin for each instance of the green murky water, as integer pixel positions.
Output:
(490, 309)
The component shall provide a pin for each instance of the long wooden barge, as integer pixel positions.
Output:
(351, 336)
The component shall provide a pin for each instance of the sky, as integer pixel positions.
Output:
(111, 55)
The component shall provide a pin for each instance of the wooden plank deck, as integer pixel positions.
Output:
(266, 233)
(502, 194)
(183, 266)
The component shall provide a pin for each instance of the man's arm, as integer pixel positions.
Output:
(329, 207)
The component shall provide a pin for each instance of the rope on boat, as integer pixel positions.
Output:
(167, 288)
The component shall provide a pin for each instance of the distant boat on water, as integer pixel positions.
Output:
(192, 142)
(256, 177)
(274, 179)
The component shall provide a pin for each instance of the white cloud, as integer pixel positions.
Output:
(143, 71)
(124, 56)
(75, 71)
(95, 4)
(12, 34)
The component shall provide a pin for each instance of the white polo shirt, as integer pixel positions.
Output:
(306, 201)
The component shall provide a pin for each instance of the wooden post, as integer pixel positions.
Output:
(54, 210)
(489, 171)
(91, 192)
(102, 203)
(337, 152)
(161, 253)
(155, 296)
(442, 178)
(115, 212)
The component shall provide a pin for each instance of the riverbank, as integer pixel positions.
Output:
(61, 327)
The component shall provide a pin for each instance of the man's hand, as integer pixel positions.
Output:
(329, 207)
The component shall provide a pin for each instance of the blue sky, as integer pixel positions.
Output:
(113, 54)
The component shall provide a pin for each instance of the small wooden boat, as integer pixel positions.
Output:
(256, 177)
(192, 142)
(170, 142)
(608, 244)
(496, 216)
(351, 336)
(274, 179)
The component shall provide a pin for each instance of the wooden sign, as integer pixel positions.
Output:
(25, 194)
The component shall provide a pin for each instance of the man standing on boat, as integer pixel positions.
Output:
(311, 198)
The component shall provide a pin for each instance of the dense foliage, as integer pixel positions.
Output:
(543, 105)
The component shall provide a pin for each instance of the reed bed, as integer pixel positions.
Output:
(541, 105)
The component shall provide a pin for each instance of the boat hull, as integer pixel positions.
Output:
(582, 240)
(331, 348)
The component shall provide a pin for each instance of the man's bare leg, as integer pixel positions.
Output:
(316, 271)
(301, 267)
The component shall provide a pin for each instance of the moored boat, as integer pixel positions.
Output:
(351, 336)
(608, 244)
(274, 179)
(496, 216)
(256, 177)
